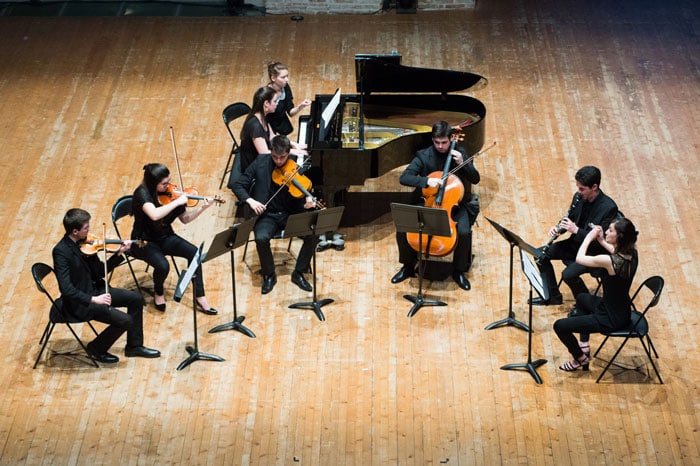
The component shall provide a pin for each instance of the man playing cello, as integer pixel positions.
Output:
(430, 160)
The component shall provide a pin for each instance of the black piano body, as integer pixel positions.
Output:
(355, 137)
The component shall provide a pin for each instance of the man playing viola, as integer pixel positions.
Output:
(430, 160)
(273, 203)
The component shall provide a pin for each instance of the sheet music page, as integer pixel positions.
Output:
(330, 109)
(533, 275)
(187, 276)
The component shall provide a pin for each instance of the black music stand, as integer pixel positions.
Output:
(231, 238)
(537, 282)
(314, 223)
(513, 240)
(184, 280)
(424, 221)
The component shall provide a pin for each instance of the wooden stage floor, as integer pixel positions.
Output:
(86, 102)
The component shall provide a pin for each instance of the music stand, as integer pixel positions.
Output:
(184, 280)
(314, 223)
(424, 221)
(227, 240)
(536, 281)
(513, 240)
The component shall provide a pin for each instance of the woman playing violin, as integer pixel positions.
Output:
(273, 204)
(153, 223)
(427, 161)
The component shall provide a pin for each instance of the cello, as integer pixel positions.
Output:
(446, 197)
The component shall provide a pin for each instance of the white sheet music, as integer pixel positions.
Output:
(330, 109)
(303, 126)
(533, 275)
(186, 277)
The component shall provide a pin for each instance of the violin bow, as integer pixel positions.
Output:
(177, 162)
(466, 161)
(104, 254)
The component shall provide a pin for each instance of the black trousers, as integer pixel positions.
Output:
(118, 322)
(155, 252)
(265, 229)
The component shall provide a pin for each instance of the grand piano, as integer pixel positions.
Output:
(354, 137)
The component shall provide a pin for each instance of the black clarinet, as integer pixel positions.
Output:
(559, 230)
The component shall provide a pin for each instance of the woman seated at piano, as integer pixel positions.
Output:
(279, 81)
(256, 132)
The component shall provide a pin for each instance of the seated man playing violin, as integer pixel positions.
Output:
(81, 279)
(268, 186)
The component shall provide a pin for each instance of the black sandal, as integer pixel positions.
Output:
(575, 364)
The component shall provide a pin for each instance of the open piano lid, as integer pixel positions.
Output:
(384, 73)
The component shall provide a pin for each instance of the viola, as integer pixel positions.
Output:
(297, 184)
(172, 192)
(93, 244)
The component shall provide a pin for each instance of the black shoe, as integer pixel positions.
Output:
(141, 352)
(461, 281)
(159, 307)
(269, 283)
(405, 272)
(103, 357)
(552, 301)
(210, 312)
(299, 280)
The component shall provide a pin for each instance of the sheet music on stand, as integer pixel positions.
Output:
(533, 275)
(186, 277)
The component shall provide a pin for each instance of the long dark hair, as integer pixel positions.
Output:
(262, 95)
(154, 173)
(626, 236)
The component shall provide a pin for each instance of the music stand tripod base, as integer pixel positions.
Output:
(510, 320)
(196, 355)
(314, 306)
(419, 302)
(530, 366)
(237, 325)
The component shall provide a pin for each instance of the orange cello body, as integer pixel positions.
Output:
(452, 193)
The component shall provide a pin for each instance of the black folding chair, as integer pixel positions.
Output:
(638, 327)
(56, 316)
(122, 208)
(231, 113)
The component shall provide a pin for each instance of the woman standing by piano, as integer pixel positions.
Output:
(279, 81)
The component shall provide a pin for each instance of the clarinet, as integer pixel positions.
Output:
(559, 230)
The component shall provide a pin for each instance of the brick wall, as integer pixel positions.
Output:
(350, 6)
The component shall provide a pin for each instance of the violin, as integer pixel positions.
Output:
(93, 244)
(172, 192)
(297, 184)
